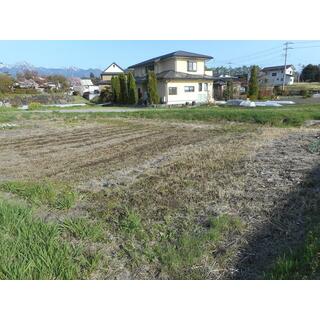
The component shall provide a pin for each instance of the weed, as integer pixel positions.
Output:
(31, 249)
(42, 193)
(314, 147)
(303, 263)
(84, 229)
(180, 256)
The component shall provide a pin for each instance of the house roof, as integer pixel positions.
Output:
(110, 73)
(225, 77)
(180, 53)
(274, 68)
(172, 75)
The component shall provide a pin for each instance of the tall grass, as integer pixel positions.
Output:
(289, 116)
(42, 193)
(32, 249)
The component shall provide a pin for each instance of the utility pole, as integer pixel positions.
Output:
(286, 48)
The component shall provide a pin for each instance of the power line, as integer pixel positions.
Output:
(307, 41)
(255, 54)
(275, 56)
(306, 47)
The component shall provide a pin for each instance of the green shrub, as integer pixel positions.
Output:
(305, 93)
(34, 106)
(132, 90)
(152, 88)
(115, 86)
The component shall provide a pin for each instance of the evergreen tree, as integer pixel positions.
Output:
(115, 85)
(152, 88)
(311, 73)
(123, 88)
(228, 92)
(132, 90)
(253, 83)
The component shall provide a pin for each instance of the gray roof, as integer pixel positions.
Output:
(172, 75)
(276, 68)
(180, 53)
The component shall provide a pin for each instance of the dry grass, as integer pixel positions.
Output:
(158, 199)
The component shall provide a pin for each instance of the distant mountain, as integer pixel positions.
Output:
(67, 72)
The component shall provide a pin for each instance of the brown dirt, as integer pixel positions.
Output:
(51, 149)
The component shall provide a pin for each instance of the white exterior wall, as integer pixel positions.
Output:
(165, 65)
(268, 79)
(176, 64)
(113, 69)
(182, 97)
(182, 66)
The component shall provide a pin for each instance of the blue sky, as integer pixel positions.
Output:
(99, 54)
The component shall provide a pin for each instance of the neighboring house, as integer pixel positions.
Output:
(49, 86)
(87, 89)
(274, 76)
(107, 74)
(181, 76)
(26, 84)
(220, 84)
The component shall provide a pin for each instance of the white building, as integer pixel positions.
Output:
(274, 76)
(111, 71)
(87, 89)
(181, 77)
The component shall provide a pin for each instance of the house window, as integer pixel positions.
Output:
(192, 66)
(200, 87)
(173, 91)
(189, 89)
(281, 79)
(205, 87)
(274, 74)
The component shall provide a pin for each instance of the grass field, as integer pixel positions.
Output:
(305, 86)
(291, 116)
(201, 193)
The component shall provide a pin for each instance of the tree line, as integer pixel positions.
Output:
(310, 73)
(124, 89)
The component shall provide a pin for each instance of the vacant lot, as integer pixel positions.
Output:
(124, 197)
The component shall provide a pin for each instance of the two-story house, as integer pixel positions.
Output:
(181, 76)
(274, 76)
(108, 73)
